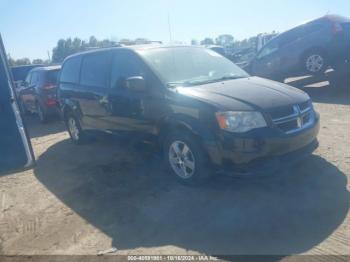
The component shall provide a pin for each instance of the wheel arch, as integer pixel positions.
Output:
(308, 50)
(179, 122)
(70, 107)
(201, 132)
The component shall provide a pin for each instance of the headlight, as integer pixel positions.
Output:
(240, 122)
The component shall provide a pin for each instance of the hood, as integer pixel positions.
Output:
(246, 94)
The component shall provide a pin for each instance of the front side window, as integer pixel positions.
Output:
(95, 69)
(187, 66)
(70, 70)
(125, 64)
(269, 48)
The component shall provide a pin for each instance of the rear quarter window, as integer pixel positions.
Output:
(51, 76)
(70, 70)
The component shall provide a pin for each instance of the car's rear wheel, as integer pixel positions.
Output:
(41, 113)
(75, 131)
(186, 159)
(315, 62)
(23, 109)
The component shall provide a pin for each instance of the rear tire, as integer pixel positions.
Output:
(186, 159)
(41, 113)
(23, 109)
(77, 135)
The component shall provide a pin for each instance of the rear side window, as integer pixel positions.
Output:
(95, 70)
(290, 36)
(51, 76)
(70, 70)
(35, 78)
(28, 78)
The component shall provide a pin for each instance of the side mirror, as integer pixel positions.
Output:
(136, 83)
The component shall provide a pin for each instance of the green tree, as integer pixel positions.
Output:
(224, 40)
(194, 42)
(207, 41)
(58, 52)
(38, 61)
(93, 42)
(23, 61)
(11, 61)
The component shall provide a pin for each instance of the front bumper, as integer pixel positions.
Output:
(263, 151)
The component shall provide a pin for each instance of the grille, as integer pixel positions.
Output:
(293, 118)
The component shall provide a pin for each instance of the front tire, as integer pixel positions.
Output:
(186, 159)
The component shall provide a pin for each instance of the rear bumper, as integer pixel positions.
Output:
(50, 108)
(263, 151)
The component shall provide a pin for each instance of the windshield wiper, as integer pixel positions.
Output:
(201, 82)
(173, 84)
(224, 78)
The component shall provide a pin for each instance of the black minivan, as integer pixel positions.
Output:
(203, 110)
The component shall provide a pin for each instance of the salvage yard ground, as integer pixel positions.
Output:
(114, 193)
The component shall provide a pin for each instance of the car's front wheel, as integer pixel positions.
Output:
(186, 159)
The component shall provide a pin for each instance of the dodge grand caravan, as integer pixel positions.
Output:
(203, 110)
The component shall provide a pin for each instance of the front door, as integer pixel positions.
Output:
(15, 148)
(130, 110)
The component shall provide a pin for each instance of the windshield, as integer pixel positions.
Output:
(187, 66)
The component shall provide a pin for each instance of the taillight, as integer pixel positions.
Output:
(49, 87)
(336, 28)
(51, 102)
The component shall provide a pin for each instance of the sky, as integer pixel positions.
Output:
(32, 28)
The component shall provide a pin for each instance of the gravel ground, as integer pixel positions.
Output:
(113, 193)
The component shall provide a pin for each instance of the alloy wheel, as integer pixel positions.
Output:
(182, 159)
(314, 63)
(73, 128)
(41, 113)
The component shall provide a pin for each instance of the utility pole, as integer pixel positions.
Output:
(169, 27)
(48, 55)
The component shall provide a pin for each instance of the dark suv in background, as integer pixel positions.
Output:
(307, 49)
(19, 73)
(38, 94)
(200, 108)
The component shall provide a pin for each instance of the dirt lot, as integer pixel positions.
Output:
(114, 193)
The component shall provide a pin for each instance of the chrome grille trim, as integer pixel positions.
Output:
(296, 119)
